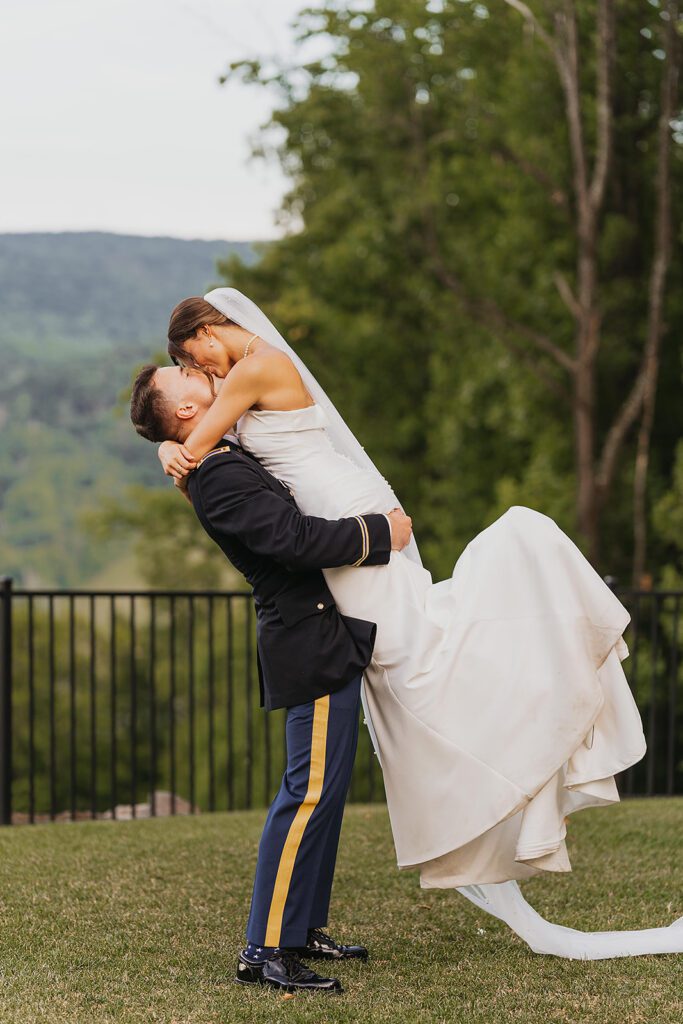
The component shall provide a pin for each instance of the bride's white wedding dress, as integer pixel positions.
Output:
(497, 699)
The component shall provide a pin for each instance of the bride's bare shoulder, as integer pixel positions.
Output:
(266, 362)
(271, 364)
(270, 378)
(275, 356)
(280, 385)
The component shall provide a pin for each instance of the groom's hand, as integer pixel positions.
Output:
(401, 529)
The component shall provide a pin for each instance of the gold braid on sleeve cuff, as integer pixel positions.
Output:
(365, 540)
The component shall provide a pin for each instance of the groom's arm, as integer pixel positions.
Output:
(236, 502)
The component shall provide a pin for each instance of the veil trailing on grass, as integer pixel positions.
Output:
(503, 900)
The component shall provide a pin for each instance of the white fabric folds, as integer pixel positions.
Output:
(496, 699)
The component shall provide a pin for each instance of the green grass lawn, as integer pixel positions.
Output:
(141, 921)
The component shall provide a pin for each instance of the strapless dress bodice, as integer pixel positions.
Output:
(296, 448)
(277, 421)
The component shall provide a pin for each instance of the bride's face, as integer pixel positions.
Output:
(207, 351)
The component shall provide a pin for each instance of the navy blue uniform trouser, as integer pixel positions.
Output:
(298, 848)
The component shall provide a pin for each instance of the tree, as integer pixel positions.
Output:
(472, 216)
(589, 186)
(172, 551)
(646, 384)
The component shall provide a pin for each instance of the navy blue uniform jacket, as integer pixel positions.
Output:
(306, 647)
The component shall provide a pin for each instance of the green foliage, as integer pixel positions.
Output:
(429, 216)
(668, 522)
(78, 313)
(172, 551)
(430, 211)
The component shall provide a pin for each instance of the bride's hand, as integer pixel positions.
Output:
(176, 459)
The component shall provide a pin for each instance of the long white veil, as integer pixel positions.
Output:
(503, 900)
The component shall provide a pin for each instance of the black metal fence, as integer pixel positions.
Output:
(124, 704)
(136, 703)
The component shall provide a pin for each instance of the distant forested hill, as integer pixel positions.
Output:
(78, 313)
(97, 287)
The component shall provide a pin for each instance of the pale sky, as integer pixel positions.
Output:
(112, 117)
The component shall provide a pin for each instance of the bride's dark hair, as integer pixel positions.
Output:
(186, 319)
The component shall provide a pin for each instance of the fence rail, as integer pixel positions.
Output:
(130, 703)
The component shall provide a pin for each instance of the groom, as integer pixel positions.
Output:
(311, 659)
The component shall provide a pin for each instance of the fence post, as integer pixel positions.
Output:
(6, 701)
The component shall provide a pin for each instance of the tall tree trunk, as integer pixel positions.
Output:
(589, 188)
(656, 296)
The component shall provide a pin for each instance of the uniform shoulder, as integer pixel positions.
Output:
(225, 480)
(227, 463)
(227, 458)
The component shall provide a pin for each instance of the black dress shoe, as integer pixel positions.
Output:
(321, 946)
(249, 973)
(285, 971)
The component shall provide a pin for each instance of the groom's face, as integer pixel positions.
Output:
(188, 393)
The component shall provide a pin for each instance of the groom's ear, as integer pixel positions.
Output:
(186, 410)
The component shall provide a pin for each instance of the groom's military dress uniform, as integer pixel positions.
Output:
(311, 659)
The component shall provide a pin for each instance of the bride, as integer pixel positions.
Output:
(496, 699)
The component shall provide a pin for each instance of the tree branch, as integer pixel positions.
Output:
(536, 368)
(489, 313)
(566, 294)
(605, 61)
(568, 69)
(617, 432)
(535, 24)
(557, 195)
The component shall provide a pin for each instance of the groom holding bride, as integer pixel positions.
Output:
(496, 699)
(311, 659)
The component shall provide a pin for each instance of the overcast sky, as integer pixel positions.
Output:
(113, 119)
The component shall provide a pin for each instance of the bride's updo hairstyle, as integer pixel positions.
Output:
(186, 319)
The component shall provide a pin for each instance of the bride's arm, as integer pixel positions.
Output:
(241, 389)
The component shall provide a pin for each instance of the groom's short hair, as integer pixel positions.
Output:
(150, 409)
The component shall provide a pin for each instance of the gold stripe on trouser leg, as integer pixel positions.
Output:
(316, 778)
